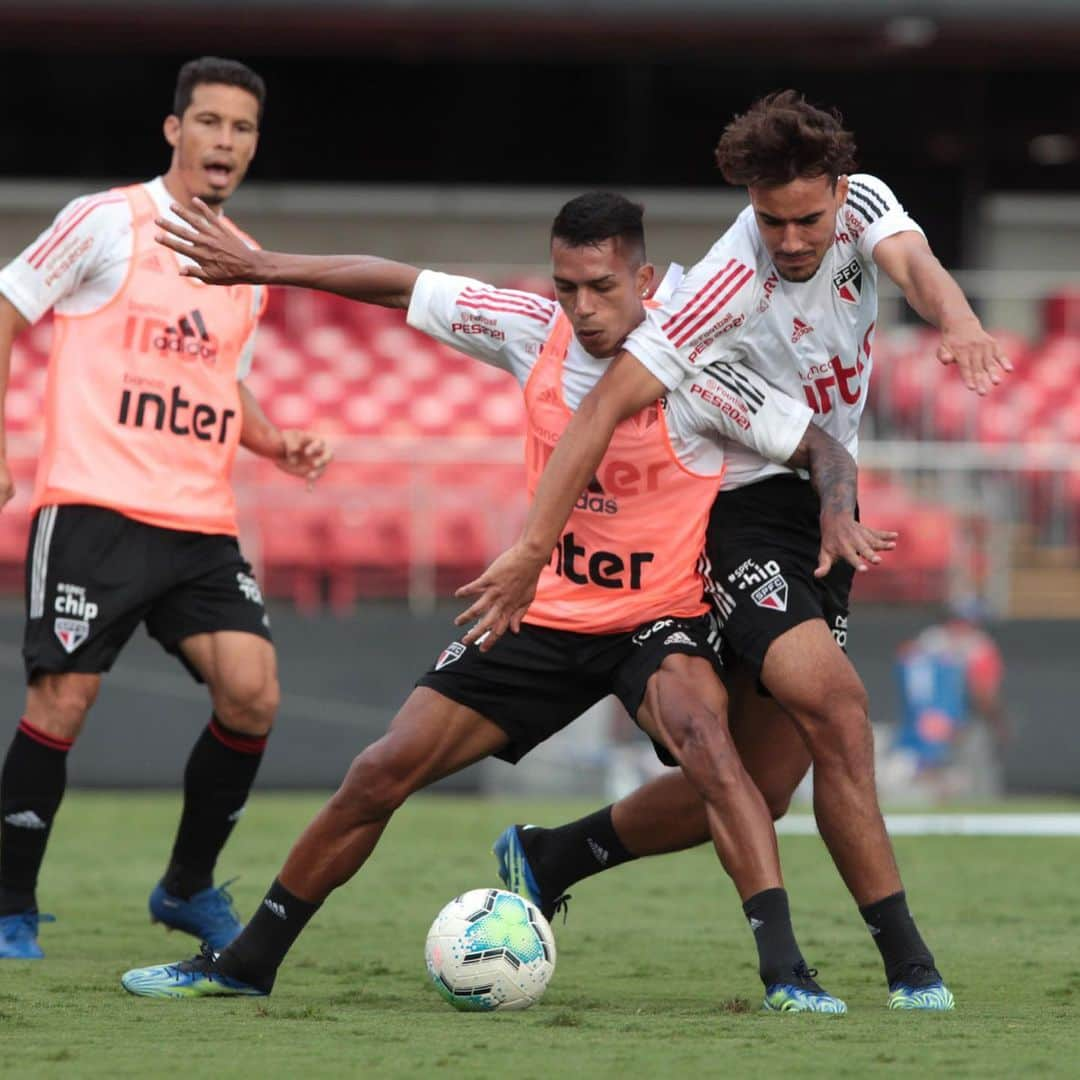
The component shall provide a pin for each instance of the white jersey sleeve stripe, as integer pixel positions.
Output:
(62, 219)
(697, 296)
(37, 258)
(870, 195)
(736, 280)
(738, 382)
(481, 305)
(508, 296)
(855, 201)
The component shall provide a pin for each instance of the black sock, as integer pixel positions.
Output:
(896, 935)
(218, 777)
(559, 857)
(257, 953)
(770, 919)
(31, 788)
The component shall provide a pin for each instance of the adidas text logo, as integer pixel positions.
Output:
(275, 909)
(600, 854)
(799, 329)
(25, 819)
(756, 924)
(190, 338)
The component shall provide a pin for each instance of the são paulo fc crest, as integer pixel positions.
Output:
(848, 282)
(772, 595)
(454, 651)
(71, 632)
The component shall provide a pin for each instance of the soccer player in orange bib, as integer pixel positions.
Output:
(620, 608)
(135, 519)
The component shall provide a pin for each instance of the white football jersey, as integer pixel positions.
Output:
(705, 416)
(811, 339)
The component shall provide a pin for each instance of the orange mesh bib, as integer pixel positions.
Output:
(143, 413)
(630, 549)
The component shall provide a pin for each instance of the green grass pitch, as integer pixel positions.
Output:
(656, 971)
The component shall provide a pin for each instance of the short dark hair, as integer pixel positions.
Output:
(597, 216)
(783, 137)
(215, 69)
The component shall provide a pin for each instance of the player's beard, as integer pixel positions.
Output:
(803, 272)
(800, 275)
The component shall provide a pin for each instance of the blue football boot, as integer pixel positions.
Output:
(18, 935)
(516, 873)
(209, 915)
(197, 977)
(921, 987)
(802, 994)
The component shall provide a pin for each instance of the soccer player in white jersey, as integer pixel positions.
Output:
(621, 603)
(135, 519)
(789, 290)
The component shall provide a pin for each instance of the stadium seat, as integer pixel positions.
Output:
(293, 410)
(293, 549)
(953, 410)
(23, 409)
(370, 551)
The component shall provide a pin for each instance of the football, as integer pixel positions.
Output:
(489, 949)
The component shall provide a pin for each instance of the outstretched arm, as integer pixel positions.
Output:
(505, 590)
(222, 258)
(932, 291)
(835, 477)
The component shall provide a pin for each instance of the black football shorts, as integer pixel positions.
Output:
(762, 546)
(92, 575)
(534, 683)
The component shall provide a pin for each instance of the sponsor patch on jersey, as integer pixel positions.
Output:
(854, 223)
(772, 595)
(71, 632)
(700, 344)
(848, 282)
(454, 651)
(767, 290)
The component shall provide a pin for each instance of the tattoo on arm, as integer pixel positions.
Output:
(833, 472)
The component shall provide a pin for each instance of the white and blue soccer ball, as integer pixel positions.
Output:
(489, 949)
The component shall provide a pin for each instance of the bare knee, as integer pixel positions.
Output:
(247, 701)
(699, 740)
(373, 788)
(57, 704)
(837, 726)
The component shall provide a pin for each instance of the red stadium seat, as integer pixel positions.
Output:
(294, 547)
(953, 410)
(371, 552)
(503, 413)
(431, 415)
(365, 415)
(290, 410)
(23, 409)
